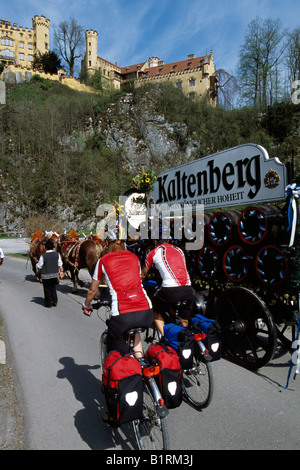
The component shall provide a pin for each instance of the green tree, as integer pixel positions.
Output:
(49, 62)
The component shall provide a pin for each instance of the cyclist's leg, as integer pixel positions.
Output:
(186, 312)
(161, 304)
(137, 346)
(159, 322)
(183, 322)
(103, 348)
(116, 341)
(120, 324)
(142, 319)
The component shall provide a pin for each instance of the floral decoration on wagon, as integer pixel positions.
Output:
(144, 181)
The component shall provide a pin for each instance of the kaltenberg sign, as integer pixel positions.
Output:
(237, 176)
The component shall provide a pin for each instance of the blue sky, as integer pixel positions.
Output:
(131, 31)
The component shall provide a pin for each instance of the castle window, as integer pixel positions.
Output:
(7, 53)
(29, 46)
(21, 45)
(7, 42)
(179, 84)
(192, 82)
(22, 56)
(30, 58)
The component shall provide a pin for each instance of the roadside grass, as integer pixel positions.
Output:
(17, 255)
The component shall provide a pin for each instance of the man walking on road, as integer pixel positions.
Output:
(49, 267)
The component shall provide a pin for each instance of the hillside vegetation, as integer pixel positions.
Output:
(55, 155)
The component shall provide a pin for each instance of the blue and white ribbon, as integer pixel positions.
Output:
(293, 192)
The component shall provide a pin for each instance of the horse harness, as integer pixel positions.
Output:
(70, 248)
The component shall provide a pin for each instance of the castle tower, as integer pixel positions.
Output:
(153, 61)
(91, 55)
(40, 27)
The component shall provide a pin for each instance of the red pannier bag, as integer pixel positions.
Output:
(169, 379)
(123, 387)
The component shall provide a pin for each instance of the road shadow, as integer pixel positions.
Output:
(31, 278)
(38, 301)
(65, 287)
(88, 420)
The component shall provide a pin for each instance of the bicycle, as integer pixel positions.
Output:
(197, 381)
(150, 430)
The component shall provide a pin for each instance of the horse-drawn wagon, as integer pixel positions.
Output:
(245, 267)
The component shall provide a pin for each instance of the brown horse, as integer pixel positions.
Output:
(78, 255)
(36, 249)
(37, 246)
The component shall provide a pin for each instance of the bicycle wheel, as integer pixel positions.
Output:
(198, 384)
(103, 348)
(151, 430)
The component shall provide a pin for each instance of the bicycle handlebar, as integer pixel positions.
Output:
(96, 306)
(101, 303)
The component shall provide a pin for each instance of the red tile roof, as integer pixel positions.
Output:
(133, 68)
(181, 66)
(148, 72)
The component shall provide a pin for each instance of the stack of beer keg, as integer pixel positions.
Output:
(245, 246)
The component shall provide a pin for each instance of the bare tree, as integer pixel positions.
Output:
(260, 55)
(292, 57)
(69, 41)
(228, 89)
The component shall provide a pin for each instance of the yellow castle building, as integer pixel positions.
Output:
(195, 76)
(18, 45)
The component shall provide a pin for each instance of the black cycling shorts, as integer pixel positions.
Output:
(165, 297)
(118, 325)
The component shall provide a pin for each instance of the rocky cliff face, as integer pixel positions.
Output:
(143, 135)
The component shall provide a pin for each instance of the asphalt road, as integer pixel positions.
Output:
(55, 359)
(15, 245)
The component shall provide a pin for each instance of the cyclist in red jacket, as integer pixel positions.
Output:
(176, 284)
(130, 305)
